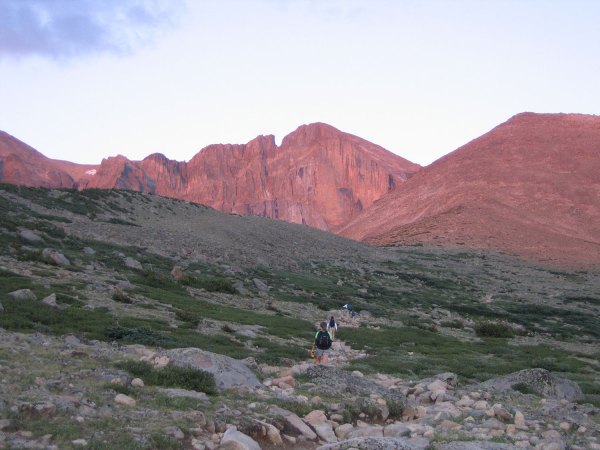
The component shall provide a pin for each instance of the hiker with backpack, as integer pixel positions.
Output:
(332, 327)
(322, 345)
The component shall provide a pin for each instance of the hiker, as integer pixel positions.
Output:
(332, 327)
(348, 307)
(322, 345)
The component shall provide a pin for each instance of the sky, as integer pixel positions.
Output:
(81, 80)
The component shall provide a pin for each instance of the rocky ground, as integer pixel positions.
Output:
(65, 393)
(61, 388)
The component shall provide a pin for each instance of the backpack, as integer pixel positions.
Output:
(323, 340)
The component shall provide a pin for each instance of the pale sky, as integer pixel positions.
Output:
(81, 80)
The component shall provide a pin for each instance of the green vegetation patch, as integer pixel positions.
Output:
(171, 376)
(419, 353)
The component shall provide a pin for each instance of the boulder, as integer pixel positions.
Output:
(474, 445)
(132, 263)
(30, 236)
(538, 380)
(228, 372)
(273, 434)
(377, 443)
(396, 430)
(342, 431)
(236, 440)
(293, 423)
(260, 285)
(55, 257)
(50, 301)
(22, 294)
(368, 431)
(177, 273)
(183, 393)
(125, 400)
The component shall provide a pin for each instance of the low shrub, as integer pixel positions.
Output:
(179, 377)
(493, 329)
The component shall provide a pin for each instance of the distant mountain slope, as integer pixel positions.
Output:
(22, 164)
(319, 176)
(531, 187)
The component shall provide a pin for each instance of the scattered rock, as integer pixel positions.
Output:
(177, 273)
(260, 285)
(238, 441)
(22, 294)
(184, 393)
(538, 380)
(89, 251)
(125, 400)
(30, 236)
(174, 432)
(137, 382)
(55, 257)
(374, 443)
(51, 301)
(133, 263)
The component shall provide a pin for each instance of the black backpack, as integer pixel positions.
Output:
(323, 340)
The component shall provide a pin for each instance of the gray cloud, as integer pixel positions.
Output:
(70, 28)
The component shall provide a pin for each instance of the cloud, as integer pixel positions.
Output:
(69, 28)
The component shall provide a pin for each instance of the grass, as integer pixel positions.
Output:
(415, 279)
(432, 353)
(171, 376)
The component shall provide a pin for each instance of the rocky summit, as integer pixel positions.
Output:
(133, 321)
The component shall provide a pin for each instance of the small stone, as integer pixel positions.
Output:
(174, 432)
(566, 426)
(581, 429)
(357, 373)
(125, 400)
(79, 443)
(519, 419)
(50, 301)
(137, 382)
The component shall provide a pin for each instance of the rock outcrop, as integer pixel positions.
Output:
(319, 176)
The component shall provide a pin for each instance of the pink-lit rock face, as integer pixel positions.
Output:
(530, 187)
(319, 176)
(23, 165)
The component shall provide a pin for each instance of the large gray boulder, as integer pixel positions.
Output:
(377, 443)
(474, 445)
(539, 381)
(22, 294)
(229, 373)
(30, 236)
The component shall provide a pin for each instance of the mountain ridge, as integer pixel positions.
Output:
(319, 176)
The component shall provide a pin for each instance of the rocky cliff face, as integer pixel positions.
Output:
(319, 176)
(531, 186)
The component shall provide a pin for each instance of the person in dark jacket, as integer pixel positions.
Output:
(322, 345)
